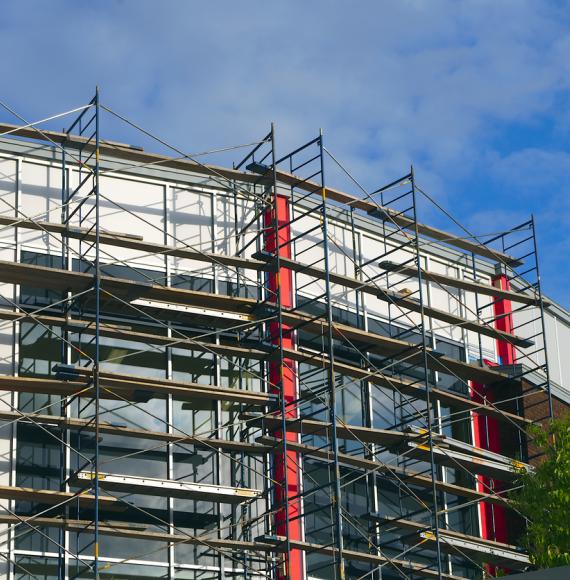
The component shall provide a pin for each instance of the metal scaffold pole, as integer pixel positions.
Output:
(426, 373)
(337, 497)
(542, 321)
(277, 377)
(97, 330)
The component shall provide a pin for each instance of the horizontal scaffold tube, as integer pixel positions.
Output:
(253, 448)
(318, 360)
(463, 284)
(53, 497)
(399, 219)
(398, 349)
(307, 426)
(134, 243)
(408, 303)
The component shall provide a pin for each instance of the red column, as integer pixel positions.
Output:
(282, 282)
(487, 436)
(486, 429)
(503, 311)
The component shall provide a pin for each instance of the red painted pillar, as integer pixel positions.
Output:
(503, 311)
(282, 282)
(487, 436)
(486, 429)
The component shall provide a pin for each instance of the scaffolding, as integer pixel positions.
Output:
(273, 308)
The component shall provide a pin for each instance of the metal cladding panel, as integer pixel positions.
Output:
(488, 346)
(40, 199)
(190, 223)
(129, 205)
(341, 261)
(558, 344)
(8, 199)
(372, 251)
(527, 323)
(236, 225)
(307, 249)
(447, 299)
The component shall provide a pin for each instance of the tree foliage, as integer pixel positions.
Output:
(545, 497)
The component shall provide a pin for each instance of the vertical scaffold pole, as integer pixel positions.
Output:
(97, 329)
(337, 498)
(430, 421)
(541, 302)
(64, 357)
(282, 377)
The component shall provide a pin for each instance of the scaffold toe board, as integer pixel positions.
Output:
(402, 301)
(167, 488)
(136, 243)
(507, 470)
(79, 281)
(397, 218)
(399, 349)
(449, 451)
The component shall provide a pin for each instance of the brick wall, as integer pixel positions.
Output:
(535, 408)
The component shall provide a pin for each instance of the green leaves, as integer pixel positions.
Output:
(545, 496)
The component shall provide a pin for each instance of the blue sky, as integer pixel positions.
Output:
(474, 93)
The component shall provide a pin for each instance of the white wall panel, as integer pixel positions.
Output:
(40, 199)
(528, 321)
(375, 250)
(8, 200)
(190, 225)
(558, 349)
(484, 303)
(309, 250)
(235, 217)
(558, 334)
(445, 298)
(133, 207)
(341, 261)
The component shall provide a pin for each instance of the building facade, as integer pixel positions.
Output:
(244, 372)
